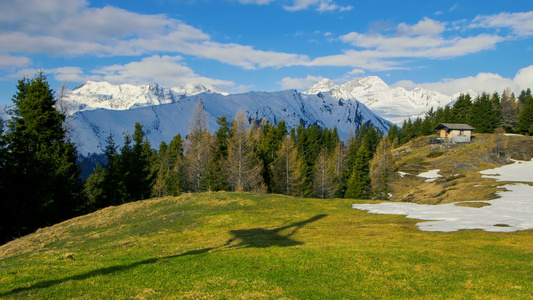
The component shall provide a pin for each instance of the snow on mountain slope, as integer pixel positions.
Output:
(393, 104)
(6, 112)
(94, 95)
(162, 122)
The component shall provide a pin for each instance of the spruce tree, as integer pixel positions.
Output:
(483, 116)
(43, 184)
(359, 184)
(525, 119)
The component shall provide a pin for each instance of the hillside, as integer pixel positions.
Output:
(457, 164)
(228, 245)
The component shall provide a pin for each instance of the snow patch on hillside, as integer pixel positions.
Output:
(511, 212)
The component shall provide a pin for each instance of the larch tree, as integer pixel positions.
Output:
(286, 169)
(382, 169)
(323, 183)
(243, 166)
(509, 111)
(338, 162)
(199, 148)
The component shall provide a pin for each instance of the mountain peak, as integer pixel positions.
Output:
(93, 95)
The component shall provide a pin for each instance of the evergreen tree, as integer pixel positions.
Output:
(359, 184)
(525, 119)
(267, 148)
(43, 184)
(483, 116)
(460, 110)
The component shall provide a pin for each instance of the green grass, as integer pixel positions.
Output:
(247, 246)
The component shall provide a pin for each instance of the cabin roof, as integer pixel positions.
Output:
(454, 126)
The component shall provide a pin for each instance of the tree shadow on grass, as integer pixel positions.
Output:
(255, 237)
(262, 238)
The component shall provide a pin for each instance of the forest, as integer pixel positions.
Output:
(40, 179)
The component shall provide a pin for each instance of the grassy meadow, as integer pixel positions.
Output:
(247, 246)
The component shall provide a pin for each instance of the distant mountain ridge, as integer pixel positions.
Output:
(93, 95)
(162, 122)
(393, 104)
(98, 109)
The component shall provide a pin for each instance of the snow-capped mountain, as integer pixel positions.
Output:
(90, 128)
(93, 95)
(393, 104)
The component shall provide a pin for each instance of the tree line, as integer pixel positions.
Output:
(485, 113)
(242, 155)
(40, 180)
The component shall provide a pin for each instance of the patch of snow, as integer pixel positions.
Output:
(518, 171)
(511, 212)
(430, 175)
(403, 174)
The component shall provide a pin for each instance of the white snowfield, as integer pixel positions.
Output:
(512, 212)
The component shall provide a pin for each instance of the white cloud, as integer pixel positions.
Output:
(8, 61)
(524, 78)
(520, 23)
(424, 27)
(425, 39)
(299, 83)
(318, 5)
(75, 30)
(482, 82)
(165, 70)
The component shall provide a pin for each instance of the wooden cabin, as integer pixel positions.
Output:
(455, 133)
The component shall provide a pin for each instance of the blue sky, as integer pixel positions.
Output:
(268, 45)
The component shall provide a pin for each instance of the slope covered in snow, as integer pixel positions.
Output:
(93, 95)
(393, 104)
(90, 128)
(511, 212)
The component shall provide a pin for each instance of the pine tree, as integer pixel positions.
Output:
(460, 110)
(359, 184)
(243, 167)
(43, 184)
(525, 119)
(483, 116)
